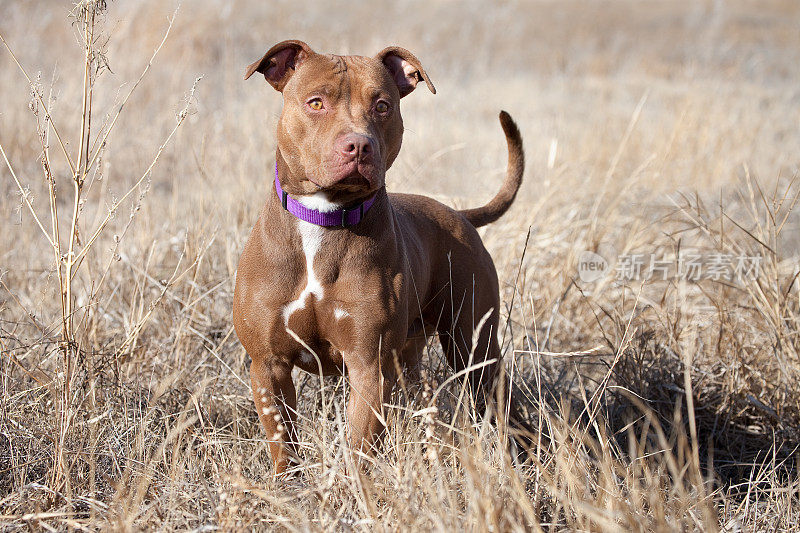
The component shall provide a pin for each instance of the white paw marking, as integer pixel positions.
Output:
(340, 313)
(311, 234)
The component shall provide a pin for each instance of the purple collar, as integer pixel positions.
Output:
(340, 217)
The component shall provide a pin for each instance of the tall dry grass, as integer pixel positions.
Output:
(651, 128)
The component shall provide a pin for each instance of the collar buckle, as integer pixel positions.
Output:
(345, 212)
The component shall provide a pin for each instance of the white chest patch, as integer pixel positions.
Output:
(312, 239)
(319, 202)
(312, 235)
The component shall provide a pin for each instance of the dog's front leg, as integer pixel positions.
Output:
(276, 400)
(370, 386)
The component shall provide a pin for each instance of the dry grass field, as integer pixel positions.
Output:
(659, 134)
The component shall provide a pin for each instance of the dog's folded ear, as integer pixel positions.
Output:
(405, 68)
(280, 62)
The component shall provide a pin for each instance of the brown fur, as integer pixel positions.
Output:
(412, 267)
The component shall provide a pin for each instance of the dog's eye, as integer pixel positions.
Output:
(315, 104)
(381, 107)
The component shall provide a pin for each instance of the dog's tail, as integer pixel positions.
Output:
(480, 216)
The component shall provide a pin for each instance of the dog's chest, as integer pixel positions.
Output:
(311, 237)
(315, 317)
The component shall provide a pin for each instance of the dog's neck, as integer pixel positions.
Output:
(319, 209)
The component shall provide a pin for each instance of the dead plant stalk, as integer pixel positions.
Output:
(69, 255)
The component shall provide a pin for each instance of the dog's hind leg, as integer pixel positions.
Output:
(411, 355)
(482, 357)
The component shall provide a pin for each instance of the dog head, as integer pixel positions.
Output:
(341, 128)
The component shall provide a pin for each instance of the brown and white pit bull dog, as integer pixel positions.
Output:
(337, 266)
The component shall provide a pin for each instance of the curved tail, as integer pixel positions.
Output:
(480, 216)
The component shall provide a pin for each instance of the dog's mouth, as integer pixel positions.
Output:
(354, 177)
(354, 180)
(351, 177)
